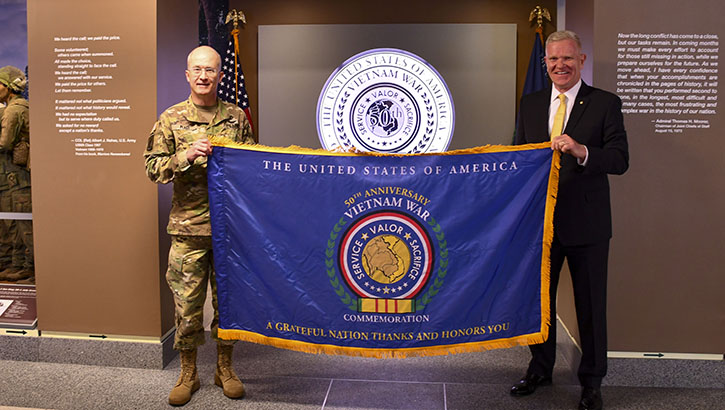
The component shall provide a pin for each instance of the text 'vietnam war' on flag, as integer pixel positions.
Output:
(383, 256)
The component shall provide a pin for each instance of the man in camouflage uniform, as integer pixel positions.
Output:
(177, 152)
(15, 178)
(6, 205)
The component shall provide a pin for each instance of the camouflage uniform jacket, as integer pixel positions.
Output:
(15, 124)
(177, 128)
(15, 127)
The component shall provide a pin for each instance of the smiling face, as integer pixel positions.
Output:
(203, 74)
(564, 61)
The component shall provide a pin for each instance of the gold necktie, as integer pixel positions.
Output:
(558, 126)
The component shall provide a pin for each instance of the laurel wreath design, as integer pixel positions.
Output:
(429, 129)
(345, 297)
(421, 302)
(342, 135)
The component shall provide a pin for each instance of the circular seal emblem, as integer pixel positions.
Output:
(385, 100)
(386, 255)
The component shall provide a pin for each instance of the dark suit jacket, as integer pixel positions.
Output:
(583, 211)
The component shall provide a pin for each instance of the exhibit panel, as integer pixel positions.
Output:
(17, 271)
(669, 239)
(103, 296)
(94, 102)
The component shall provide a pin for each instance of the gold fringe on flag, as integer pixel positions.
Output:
(328, 349)
(294, 149)
(551, 195)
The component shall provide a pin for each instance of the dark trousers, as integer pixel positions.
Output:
(588, 267)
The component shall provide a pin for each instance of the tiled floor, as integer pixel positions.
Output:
(279, 379)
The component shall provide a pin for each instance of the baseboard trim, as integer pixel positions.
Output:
(72, 348)
(650, 369)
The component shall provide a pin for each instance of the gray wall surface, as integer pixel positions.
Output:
(477, 62)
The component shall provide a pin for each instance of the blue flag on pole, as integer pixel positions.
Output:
(383, 255)
(536, 77)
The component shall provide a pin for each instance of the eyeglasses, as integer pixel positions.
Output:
(198, 70)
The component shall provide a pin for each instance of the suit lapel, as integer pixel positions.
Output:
(580, 104)
(542, 116)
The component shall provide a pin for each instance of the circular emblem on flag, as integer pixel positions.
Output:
(386, 255)
(385, 100)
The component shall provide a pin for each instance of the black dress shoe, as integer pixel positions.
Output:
(591, 399)
(528, 384)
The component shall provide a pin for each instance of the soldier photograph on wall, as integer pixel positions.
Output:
(16, 232)
(16, 235)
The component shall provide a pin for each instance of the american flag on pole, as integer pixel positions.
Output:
(231, 88)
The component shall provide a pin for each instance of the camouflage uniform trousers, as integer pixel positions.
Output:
(23, 255)
(8, 230)
(191, 266)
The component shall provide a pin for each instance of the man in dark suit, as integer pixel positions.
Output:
(593, 143)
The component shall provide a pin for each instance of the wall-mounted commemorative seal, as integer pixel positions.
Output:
(385, 100)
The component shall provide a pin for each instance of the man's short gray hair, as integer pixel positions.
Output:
(564, 35)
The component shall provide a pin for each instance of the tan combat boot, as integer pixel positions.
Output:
(224, 375)
(9, 273)
(188, 381)
(28, 281)
(19, 274)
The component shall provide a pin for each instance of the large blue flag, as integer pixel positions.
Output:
(383, 255)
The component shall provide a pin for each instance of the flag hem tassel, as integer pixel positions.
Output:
(551, 195)
(329, 349)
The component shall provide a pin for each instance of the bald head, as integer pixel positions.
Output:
(205, 53)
